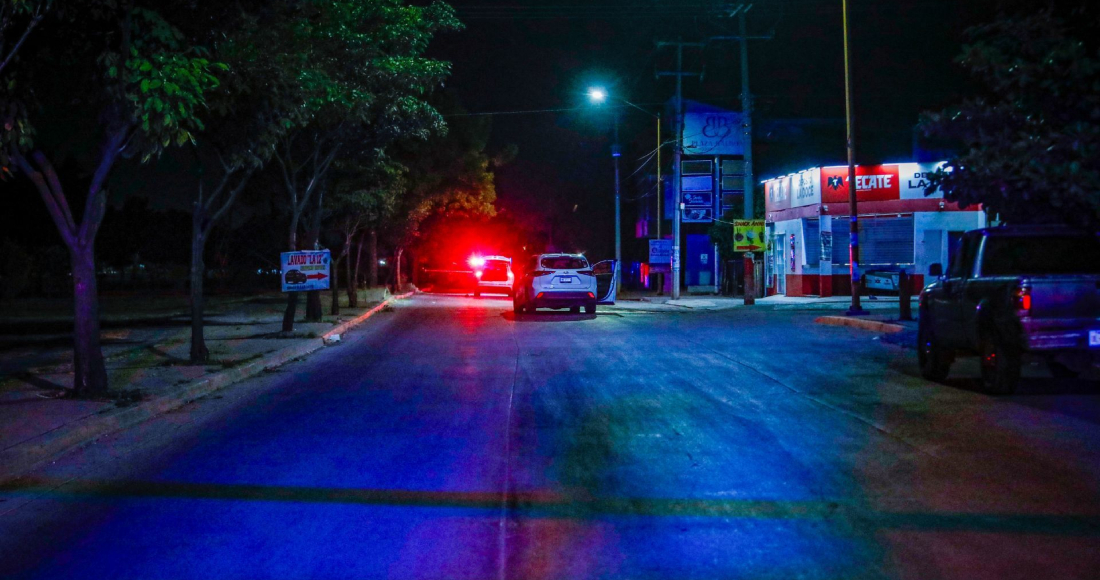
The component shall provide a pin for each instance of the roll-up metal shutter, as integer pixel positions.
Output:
(882, 241)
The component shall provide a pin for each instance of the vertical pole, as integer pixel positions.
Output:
(660, 216)
(853, 227)
(676, 154)
(746, 119)
(616, 152)
(660, 198)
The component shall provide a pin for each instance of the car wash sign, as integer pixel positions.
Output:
(304, 271)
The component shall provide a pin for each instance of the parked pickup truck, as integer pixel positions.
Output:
(1010, 293)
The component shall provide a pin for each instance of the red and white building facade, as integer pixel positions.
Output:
(900, 227)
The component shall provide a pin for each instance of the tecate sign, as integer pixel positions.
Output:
(830, 185)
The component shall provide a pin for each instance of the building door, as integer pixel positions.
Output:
(700, 260)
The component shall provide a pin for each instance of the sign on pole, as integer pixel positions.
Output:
(309, 270)
(660, 251)
(748, 235)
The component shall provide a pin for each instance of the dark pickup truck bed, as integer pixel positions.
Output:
(1010, 293)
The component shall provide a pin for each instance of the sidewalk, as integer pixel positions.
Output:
(148, 370)
(634, 301)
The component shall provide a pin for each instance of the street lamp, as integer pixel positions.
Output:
(597, 95)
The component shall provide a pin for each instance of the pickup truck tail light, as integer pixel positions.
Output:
(1023, 298)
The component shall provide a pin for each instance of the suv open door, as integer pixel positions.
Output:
(606, 273)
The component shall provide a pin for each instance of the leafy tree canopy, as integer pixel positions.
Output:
(1031, 140)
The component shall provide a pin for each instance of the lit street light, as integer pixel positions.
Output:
(598, 95)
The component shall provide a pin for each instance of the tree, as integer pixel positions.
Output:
(144, 85)
(449, 176)
(359, 78)
(363, 194)
(1031, 139)
(247, 122)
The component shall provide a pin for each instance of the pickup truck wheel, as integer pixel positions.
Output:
(1000, 367)
(935, 361)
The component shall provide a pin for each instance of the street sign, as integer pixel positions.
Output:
(309, 270)
(748, 235)
(660, 251)
(698, 198)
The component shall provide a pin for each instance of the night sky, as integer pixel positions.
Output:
(518, 56)
(528, 55)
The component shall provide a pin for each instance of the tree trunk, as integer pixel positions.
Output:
(291, 297)
(373, 258)
(291, 311)
(397, 255)
(334, 287)
(89, 371)
(349, 280)
(314, 310)
(358, 261)
(199, 352)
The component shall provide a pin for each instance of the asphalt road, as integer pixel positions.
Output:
(449, 440)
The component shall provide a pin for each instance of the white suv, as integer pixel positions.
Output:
(555, 281)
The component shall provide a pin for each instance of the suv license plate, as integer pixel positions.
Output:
(565, 279)
(1094, 338)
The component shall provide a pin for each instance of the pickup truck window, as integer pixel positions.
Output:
(1041, 255)
(963, 261)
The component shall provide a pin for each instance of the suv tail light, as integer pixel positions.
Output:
(585, 272)
(1023, 298)
(538, 273)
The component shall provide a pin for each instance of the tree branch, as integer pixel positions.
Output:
(236, 191)
(30, 26)
(64, 227)
(55, 189)
(96, 203)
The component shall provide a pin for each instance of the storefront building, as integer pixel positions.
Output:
(901, 228)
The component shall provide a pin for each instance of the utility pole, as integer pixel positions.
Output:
(616, 152)
(660, 216)
(746, 115)
(746, 99)
(677, 153)
(853, 227)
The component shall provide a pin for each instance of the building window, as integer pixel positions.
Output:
(695, 167)
(811, 233)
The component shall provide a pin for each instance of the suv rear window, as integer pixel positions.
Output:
(564, 263)
(1011, 256)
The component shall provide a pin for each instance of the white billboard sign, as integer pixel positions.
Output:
(914, 179)
(303, 271)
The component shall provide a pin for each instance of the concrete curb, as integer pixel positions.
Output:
(334, 334)
(872, 325)
(24, 456)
